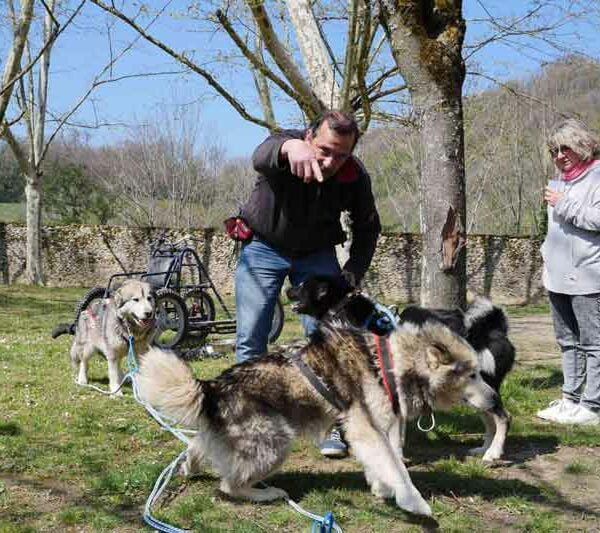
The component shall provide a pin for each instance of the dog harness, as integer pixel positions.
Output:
(386, 365)
(317, 383)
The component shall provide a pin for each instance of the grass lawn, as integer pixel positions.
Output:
(72, 459)
(12, 212)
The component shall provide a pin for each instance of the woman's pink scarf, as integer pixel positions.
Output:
(577, 170)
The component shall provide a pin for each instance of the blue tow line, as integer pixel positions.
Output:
(325, 524)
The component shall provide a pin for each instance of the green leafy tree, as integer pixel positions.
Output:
(71, 197)
(12, 182)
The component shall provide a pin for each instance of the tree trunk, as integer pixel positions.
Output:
(13, 61)
(442, 185)
(314, 53)
(33, 195)
(33, 187)
(426, 42)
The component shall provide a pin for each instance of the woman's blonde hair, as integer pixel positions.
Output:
(577, 136)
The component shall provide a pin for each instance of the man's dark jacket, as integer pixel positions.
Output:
(299, 218)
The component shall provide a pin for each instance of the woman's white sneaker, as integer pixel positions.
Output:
(581, 416)
(557, 409)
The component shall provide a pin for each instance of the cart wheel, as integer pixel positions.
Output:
(278, 320)
(200, 308)
(97, 293)
(171, 319)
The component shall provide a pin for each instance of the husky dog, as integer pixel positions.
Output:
(483, 325)
(247, 417)
(105, 327)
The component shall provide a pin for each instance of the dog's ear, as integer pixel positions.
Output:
(118, 297)
(437, 355)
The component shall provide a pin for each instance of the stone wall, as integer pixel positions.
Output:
(507, 269)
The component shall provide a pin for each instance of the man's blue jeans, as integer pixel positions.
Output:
(259, 276)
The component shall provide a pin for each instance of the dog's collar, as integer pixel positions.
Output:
(381, 321)
(386, 365)
(317, 383)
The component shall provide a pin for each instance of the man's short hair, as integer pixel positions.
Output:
(341, 122)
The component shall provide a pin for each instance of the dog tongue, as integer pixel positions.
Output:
(147, 323)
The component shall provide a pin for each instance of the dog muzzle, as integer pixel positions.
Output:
(146, 323)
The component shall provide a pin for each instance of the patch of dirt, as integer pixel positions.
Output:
(533, 337)
(35, 501)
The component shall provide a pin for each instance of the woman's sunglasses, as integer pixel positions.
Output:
(562, 149)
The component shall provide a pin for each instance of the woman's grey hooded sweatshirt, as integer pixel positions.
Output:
(571, 250)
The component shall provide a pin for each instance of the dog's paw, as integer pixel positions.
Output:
(413, 502)
(491, 455)
(381, 490)
(185, 470)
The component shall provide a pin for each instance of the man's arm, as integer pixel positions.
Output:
(287, 150)
(365, 226)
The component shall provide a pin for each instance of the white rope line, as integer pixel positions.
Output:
(182, 434)
(159, 486)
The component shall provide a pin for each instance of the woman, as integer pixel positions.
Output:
(571, 253)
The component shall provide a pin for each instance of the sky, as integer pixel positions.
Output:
(82, 51)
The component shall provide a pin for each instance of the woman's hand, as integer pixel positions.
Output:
(551, 196)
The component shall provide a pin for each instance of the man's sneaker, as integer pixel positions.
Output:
(581, 416)
(334, 446)
(556, 409)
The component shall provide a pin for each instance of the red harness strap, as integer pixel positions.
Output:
(386, 365)
(91, 314)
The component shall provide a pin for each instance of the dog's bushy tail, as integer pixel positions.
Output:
(62, 329)
(168, 384)
(483, 316)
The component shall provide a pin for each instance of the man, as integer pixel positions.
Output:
(306, 179)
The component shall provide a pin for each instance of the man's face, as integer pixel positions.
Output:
(331, 148)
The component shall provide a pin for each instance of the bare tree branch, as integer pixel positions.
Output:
(49, 42)
(520, 94)
(309, 101)
(11, 66)
(184, 60)
(254, 60)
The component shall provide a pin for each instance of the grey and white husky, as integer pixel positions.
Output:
(247, 417)
(104, 327)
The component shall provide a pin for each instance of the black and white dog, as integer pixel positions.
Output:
(483, 325)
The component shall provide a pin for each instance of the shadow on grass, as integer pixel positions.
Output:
(518, 449)
(10, 429)
(553, 378)
(298, 485)
(430, 484)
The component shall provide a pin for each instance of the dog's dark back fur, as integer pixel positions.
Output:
(453, 318)
(490, 330)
